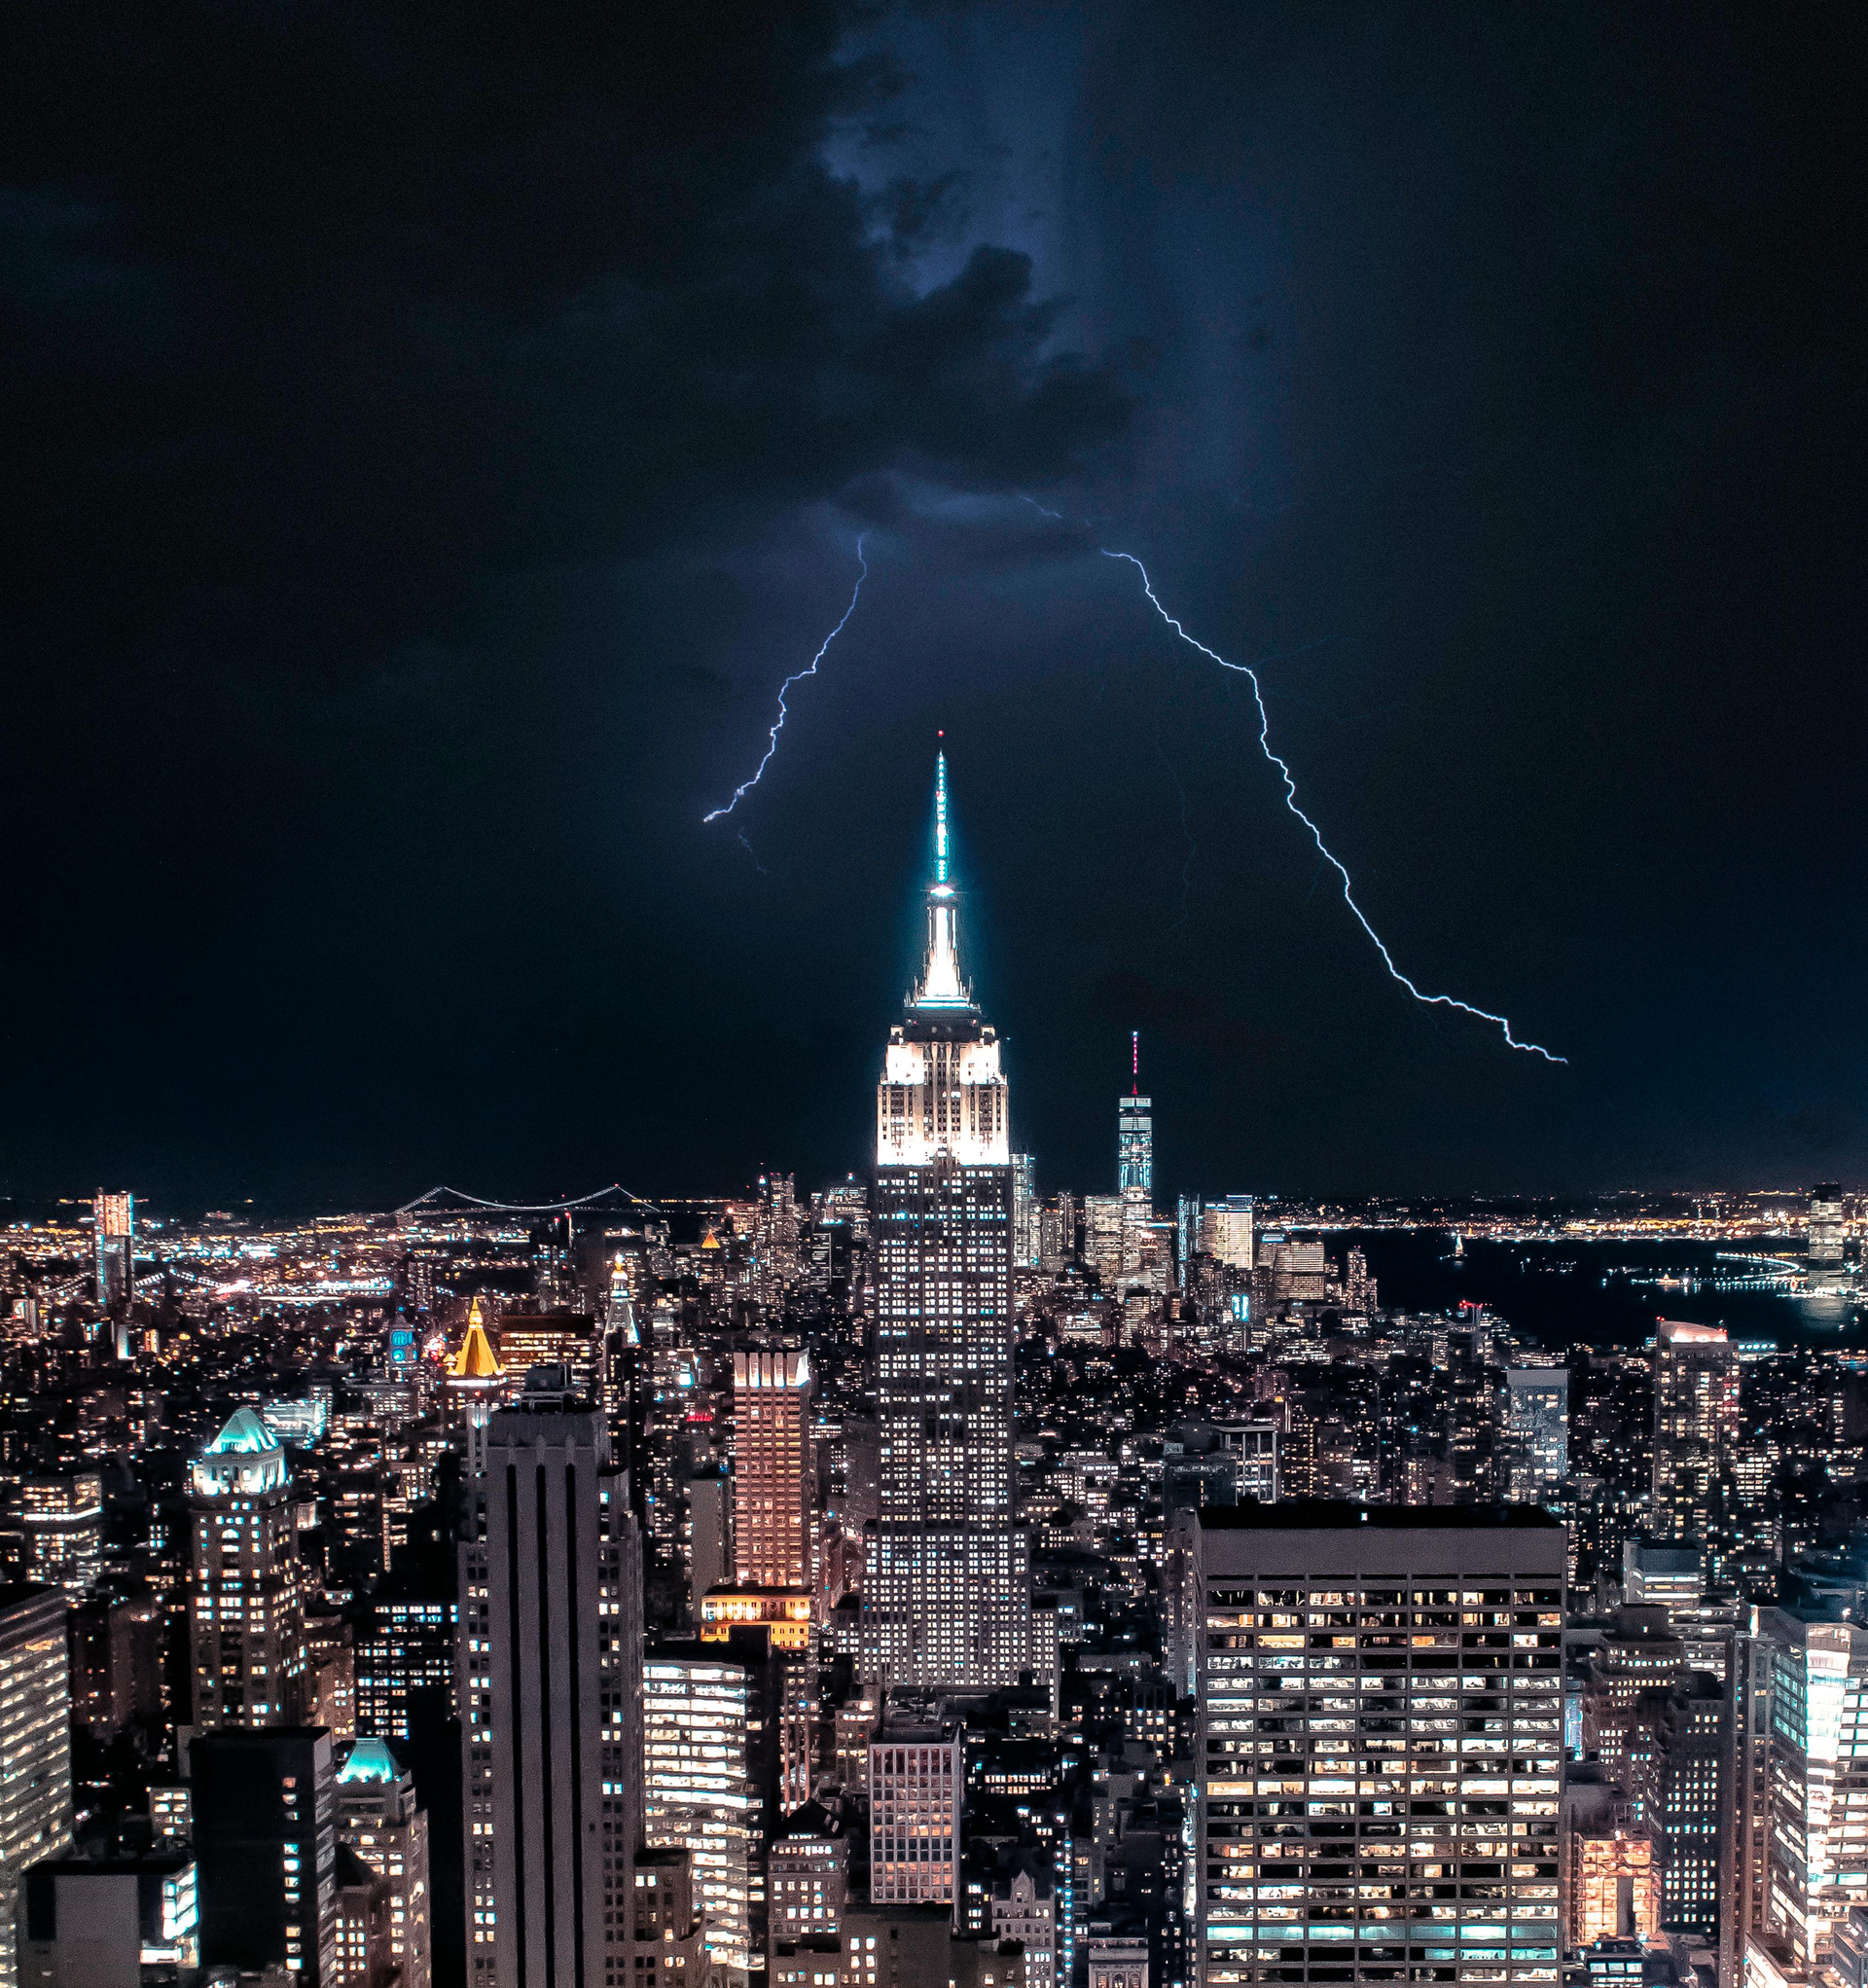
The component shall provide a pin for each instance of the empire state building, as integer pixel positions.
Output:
(948, 1599)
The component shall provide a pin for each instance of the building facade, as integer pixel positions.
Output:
(266, 1850)
(245, 1600)
(916, 1785)
(549, 1684)
(1380, 1766)
(774, 1531)
(35, 1746)
(379, 1820)
(948, 1594)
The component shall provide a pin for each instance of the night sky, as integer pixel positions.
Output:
(434, 431)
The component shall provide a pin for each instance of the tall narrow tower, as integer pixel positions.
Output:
(948, 1599)
(1135, 1142)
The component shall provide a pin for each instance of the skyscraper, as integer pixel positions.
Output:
(113, 1237)
(1825, 1223)
(710, 1758)
(378, 1819)
(35, 1743)
(1813, 1842)
(1135, 1141)
(1695, 1427)
(1381, 1714)
(266, 1850)
(772, 1531)
(1537, 1430)
(551, 1695)
(248, 1618)
(1025, 1239)
(917, 1777)
(948, 1599)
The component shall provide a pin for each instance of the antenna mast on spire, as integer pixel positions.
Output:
(1135, 1063)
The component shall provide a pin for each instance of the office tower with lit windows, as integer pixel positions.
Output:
(1811, 1801)
(379, 1820)
(550, 1695)
(1027, 1241)
(1680, 1778)
(62, 1520)
(1696, 1428)
(710, 1760)
(1536, 1431)
(774, 1527)
(245, 1602)
(916, 1779)
(405, 1662)
(35, 1746)
(266, 1848)
(113, 1241)
(1825, 1245)
(948, 1594)
(1380, 1769)
(1226, 1232)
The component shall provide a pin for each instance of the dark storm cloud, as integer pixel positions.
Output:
(433, 433)
(316, 309)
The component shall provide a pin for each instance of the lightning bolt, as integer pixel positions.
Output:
(1244, 670)
(745, 787)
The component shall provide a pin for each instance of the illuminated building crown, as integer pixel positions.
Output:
(942, 1090)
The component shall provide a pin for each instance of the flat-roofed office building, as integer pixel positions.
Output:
(1380, 1760)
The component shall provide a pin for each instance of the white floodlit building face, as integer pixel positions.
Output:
(700, 1798)
(915, 1789)
(1381, 1775)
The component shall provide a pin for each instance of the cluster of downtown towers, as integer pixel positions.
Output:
(551, 1617)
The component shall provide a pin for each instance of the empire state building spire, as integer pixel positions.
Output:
(941, 986)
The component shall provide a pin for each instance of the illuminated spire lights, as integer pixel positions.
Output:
(941, 986)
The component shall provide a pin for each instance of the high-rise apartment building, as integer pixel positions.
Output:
(379, 1820)
(948, 1595)
(1381, 1761)
(1825, 1245)
(1695, 1427)
(35, 1748)
(916, 1778)
(113, 1241)
(549, 1688)
(246, 1603)
(774, 1532)
(266, 1850)
(1536, 1431)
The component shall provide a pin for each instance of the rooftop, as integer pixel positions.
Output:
(1327, 1514)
